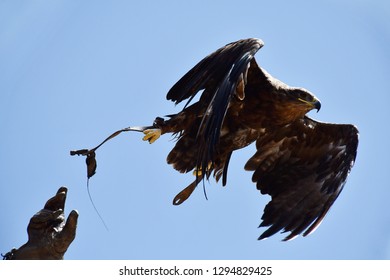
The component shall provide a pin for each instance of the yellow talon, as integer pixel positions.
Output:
(151, 135)
(198, 172)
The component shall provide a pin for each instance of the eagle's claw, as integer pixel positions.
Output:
(151, 135)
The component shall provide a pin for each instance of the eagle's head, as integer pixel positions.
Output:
(296, 103)
(305, 99)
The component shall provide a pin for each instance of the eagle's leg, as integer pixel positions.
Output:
(174, 124)
(153, 133)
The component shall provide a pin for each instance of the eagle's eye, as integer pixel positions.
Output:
(308, 99)
(305, 96)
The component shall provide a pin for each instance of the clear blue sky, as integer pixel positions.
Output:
(72, 72)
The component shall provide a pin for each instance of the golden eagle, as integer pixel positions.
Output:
(301, 163)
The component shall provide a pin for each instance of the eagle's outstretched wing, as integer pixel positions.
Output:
(221, 75)
(303, 166)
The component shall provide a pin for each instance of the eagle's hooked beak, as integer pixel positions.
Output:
(317, 105)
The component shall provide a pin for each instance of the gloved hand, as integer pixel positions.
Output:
(49, 236)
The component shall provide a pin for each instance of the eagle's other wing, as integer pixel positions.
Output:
(220, 70)
(303, 166)
(221, 75)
